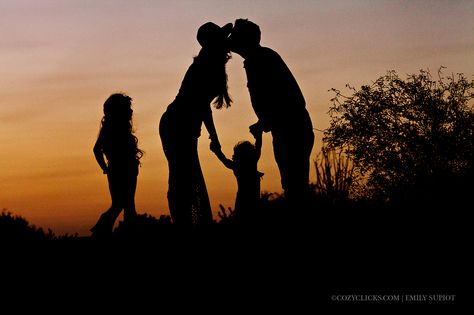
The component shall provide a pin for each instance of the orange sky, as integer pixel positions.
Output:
(60, 60)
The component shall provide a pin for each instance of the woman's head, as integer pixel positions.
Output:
(214, 42)
(212, 36)
(215, 53)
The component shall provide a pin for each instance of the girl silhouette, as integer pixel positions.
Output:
(118, 156)
(180, 126)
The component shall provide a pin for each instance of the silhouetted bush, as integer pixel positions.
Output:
(226, 216)
(16, 228)
(404, 134)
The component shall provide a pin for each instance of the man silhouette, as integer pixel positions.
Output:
(280, 108)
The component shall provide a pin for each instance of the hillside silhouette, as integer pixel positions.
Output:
(337, 247)
(388, 244)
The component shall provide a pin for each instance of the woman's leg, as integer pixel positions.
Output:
(202, 214)
(175, 154)
(188, 200)
(179, 185)
(180, 189)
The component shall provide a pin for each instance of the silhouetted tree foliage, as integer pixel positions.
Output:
(406, 134)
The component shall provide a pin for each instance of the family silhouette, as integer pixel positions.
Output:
(278, 104)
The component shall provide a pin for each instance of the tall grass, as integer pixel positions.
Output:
(335, 175)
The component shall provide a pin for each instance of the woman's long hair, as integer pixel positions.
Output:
(117, 125)
(223, 98)
(218, 59)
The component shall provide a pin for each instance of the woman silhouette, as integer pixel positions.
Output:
(180, 126)
(118, 144)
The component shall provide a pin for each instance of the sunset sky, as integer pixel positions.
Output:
(60, 60)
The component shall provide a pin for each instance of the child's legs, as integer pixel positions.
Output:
(118, 195)
(129, 210)
(107, 220)
(122, 188)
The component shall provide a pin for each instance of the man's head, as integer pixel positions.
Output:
(245, 36)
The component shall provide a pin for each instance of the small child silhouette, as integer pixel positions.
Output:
(244, 164)
(117, 143)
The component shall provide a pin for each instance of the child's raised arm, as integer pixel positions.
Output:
(227, 163)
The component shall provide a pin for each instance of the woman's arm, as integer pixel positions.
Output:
(99, 154)
(211, 128)
(257, 132)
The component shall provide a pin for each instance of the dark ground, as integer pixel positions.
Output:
(287, 266)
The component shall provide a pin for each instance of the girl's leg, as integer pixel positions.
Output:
(129, 211)
(107, 220)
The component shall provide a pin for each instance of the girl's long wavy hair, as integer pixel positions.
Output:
(218, 59)
(117, 124)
